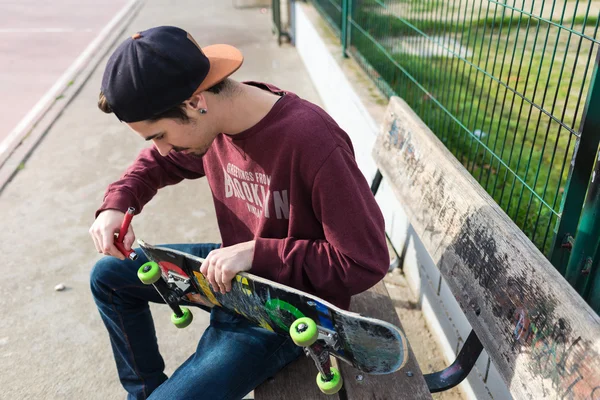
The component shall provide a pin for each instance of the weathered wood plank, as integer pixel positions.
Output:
(297, 381)
(407, 383)
(543, 338)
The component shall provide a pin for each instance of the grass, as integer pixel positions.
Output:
(431, 26)
(509, 60)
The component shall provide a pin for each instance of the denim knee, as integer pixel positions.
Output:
(104, 275)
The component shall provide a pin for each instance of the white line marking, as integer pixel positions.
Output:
(16, 135)
(43, 30)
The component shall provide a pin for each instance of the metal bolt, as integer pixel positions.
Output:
(587, 267)
(302, 327)
(568, 242)
(475, 307)
(409, 374)
(172, 297)
(359, 378)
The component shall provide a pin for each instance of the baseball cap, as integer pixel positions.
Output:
(161, 67)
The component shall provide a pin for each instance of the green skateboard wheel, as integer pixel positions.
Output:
(331, 386)
(304, 332)
(184, 320)
(149, 273)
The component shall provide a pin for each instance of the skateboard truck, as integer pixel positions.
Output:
(150, 274)
(329, 337)
(122, 232)
(305, 333)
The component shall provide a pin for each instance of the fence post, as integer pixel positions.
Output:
(593, 297)
(579, 176)
(292, 21)
(276, 10)
(587, 238)
(345, 14)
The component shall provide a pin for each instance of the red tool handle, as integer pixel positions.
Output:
(125, 224)
(122, 232)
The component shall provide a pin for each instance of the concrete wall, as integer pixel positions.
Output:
(343, 96)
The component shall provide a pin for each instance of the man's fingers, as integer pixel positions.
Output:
(218, 277)
(204, 266)
(129, 238)
(210, 275)
(227, 281)
(222, 287)
(226, 278)
(108, 247)
(215, 273)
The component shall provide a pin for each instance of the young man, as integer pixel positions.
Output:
(292, 206)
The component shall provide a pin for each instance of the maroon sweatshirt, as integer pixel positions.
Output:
(291, 183)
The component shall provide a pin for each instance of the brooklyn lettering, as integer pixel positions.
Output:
(259, 199)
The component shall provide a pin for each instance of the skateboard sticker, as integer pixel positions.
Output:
(196, 298)
(245, 287)
(265, 325)
(206, 289)
(324, 319)
(274, 306)
(247, 290)
(167, 266)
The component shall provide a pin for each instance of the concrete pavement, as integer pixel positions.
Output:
(53, 344)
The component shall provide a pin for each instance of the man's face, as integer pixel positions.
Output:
(191, 137)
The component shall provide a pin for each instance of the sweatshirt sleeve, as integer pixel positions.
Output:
(148, 173)
(353, 256)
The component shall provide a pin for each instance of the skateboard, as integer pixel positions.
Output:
(322, 329)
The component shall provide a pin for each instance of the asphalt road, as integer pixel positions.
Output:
(39, 40)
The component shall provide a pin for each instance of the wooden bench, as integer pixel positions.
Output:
(542, 337)
(297, 381)
(540, 334)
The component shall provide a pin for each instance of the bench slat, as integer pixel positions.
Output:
(540, 334)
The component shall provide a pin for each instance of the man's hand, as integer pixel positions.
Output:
(103, 233)
(221, 265)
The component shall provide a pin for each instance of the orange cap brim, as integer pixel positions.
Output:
(224, 61)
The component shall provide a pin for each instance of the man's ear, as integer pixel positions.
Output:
(196, 102)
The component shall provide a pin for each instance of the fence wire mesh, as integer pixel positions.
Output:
(502, 84)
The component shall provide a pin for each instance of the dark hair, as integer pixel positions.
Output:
(176, 112)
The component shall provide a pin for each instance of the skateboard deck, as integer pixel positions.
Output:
(370, 345)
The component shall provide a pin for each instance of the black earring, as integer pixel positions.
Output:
(203, 111)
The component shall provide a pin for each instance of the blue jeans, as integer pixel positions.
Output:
(232, 358)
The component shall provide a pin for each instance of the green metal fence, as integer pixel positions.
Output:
(506, 86)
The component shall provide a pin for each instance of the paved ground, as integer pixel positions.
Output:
(53, 344)
(39, 40)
